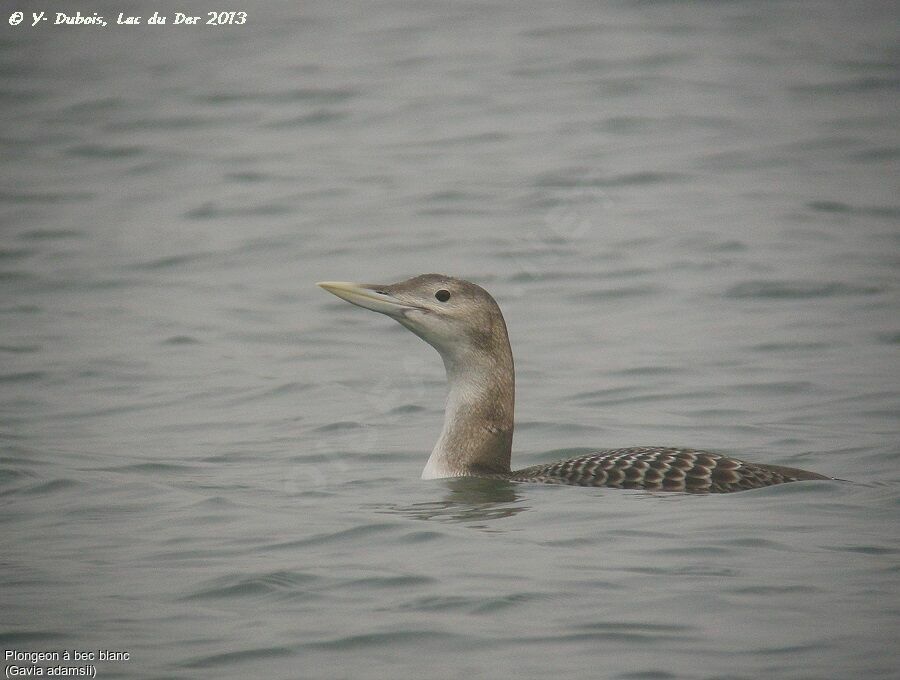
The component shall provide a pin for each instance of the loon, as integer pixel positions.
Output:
(464, 324)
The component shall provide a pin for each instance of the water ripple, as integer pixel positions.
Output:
(245, 656)
(797, 290)
(262, 585)
(390, 640)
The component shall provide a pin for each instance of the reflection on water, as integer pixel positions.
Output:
(468, 501)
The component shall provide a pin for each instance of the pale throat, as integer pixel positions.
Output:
(478, 417)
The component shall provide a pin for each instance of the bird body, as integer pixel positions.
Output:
(465, 325)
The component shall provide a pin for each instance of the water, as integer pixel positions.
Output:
(688, 212)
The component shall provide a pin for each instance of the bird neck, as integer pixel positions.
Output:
(478, 419)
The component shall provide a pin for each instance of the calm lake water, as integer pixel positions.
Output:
(688, 212)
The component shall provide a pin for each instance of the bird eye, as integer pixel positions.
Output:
(442, 295)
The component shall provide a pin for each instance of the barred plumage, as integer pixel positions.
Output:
(661, 469)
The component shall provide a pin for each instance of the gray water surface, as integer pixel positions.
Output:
(689, 215)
